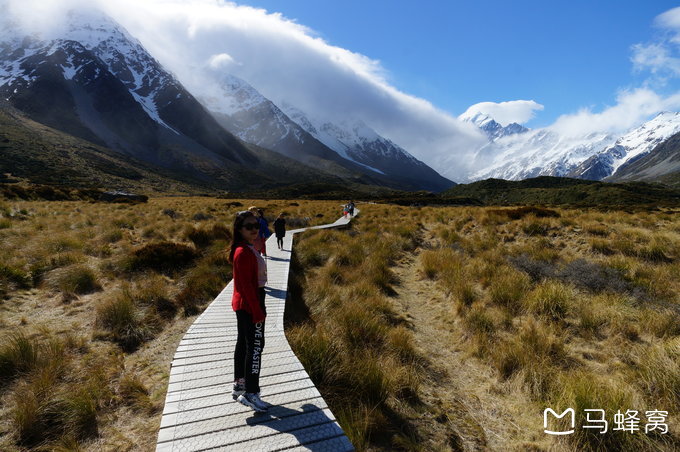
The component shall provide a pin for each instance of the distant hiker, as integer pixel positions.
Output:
(250, 276)
(350, 208)
(280, 230)
(345, 210)
(264, 232)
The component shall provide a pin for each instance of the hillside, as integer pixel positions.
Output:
(662, 164)
(39, 154)
(566, 192)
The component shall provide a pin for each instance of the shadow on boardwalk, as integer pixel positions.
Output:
(311, 426)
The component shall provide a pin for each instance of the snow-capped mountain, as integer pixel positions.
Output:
(91, 79)
(490, 127)
(539, 152)
(545, 152)
(245, 112)
(629, 148)
(356, 141)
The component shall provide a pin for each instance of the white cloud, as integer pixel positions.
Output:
(519, 111)
(631, 109)
(220, 61)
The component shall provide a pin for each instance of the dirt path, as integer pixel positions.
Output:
(484, 414)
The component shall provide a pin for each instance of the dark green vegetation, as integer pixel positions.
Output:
(560, 191)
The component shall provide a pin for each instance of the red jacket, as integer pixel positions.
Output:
(245, 284)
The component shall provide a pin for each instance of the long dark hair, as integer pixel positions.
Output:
(237, 238)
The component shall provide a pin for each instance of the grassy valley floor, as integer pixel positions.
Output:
(435, 328)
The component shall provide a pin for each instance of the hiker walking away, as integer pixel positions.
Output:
(250, 276)
(351, 208)
(345, 210)
(263, 233)
(280, 230)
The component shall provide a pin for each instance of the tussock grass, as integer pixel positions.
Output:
(582, 390)
(354, 334)
(164, 257)
(658, 370)
(509, 288)
(124, 321)
(77, 279)
(550, 299)
(534, 356)
(18, 354)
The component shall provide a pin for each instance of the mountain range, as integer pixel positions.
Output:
(91, 79)
(515, 153)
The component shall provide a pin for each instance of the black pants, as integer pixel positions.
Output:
(249, 346)
(279, 241)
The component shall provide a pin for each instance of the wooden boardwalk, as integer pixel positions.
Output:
(199, 412)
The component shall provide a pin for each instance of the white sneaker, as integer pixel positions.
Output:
(253, 401)
(238, 389)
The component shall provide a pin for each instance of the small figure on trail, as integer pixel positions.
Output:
(250, 277)
(345, 210)
(350, 208)
(264, 232)
(280, 230)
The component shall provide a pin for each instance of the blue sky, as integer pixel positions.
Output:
(563, 55)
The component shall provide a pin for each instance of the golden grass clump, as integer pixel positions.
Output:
(509, 288)
(551, 299)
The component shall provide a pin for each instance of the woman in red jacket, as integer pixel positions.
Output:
(250, 276)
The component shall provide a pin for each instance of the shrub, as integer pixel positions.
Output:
(597, 229)
(535, 228)
(154, 293)
(536, 269)
(165, 257)
(592, 276)
(204, 283)
(171, 213)
(200, 216)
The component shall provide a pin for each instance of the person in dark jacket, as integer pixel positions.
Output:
(250, 277)
(280, 230)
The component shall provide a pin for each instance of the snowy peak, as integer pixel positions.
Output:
(235, 95)
(490, 127)
(630, 147)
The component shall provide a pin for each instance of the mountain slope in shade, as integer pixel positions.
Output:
(43, 155)
(94, 81)
(630, 147)
(254, 119)
(242, 110)
(661, 164)
(357, 142)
